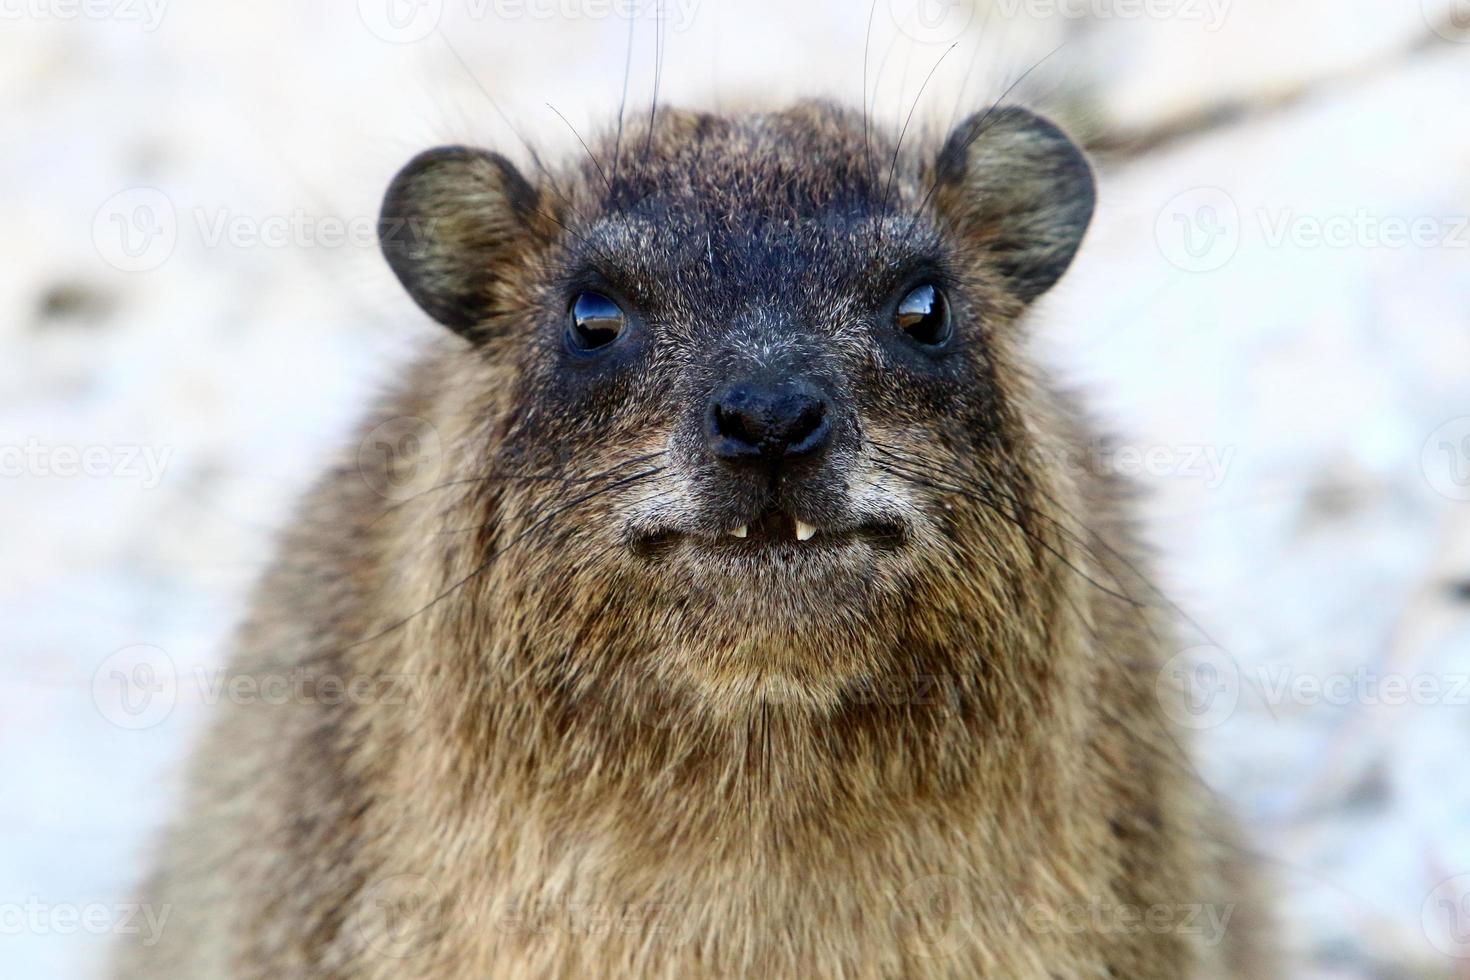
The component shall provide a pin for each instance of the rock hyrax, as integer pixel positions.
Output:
(756, 619)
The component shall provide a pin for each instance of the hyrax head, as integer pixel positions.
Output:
(759, 367)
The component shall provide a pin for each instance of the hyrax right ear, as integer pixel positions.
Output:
(453, 219)
(1016, 186)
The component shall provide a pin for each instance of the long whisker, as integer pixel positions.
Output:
(898, 147)
(979, 130)
(867, 142)
(658, 70)
(581, 498)
(497, 554)
(543, 476)
(1137, 574)
(595, 162)
(623, 101)
(1011, 515)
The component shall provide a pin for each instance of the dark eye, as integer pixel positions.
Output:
(594, 322)
(923, 314)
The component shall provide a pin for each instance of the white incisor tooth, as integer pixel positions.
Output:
(804, 531)
(740, 531)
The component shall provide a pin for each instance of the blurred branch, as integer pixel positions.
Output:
(1124, 143)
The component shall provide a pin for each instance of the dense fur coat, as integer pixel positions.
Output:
(561, 723)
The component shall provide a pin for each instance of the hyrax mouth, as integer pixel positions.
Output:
(774, 532)
(774, 526)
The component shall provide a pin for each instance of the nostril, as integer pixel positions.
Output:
(747, 421)
(735, 425)
(807, 427)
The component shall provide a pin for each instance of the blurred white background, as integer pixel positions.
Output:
(1272, 311)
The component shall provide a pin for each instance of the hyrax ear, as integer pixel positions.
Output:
(1016, 186)
(453, 220)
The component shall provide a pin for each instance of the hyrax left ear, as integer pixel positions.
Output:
(1018, 188)
(454, 221)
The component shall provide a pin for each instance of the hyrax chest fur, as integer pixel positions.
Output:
(724, 596)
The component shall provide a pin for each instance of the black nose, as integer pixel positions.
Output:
(768, 422)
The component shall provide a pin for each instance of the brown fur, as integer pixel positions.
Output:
(609, 764)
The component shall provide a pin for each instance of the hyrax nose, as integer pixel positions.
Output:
(768, 422)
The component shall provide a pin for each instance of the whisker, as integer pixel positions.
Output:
(980, 128)
(1137, 574)
(867, 142)
(623, 101)
(1014, 518)
(590, 156)
(898, 147)
(658, 70)
(511, 477)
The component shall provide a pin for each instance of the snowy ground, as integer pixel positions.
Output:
(1271, 312)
